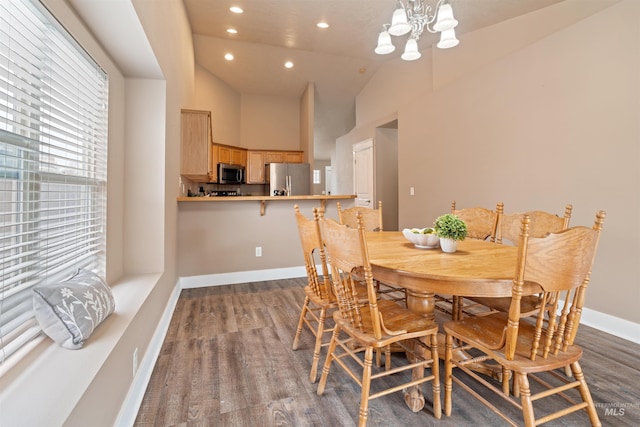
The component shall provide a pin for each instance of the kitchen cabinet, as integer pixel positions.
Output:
(292, 156)
(231, 155)
(196, 159)
(257, 159)
(255, 167)
(283, 157)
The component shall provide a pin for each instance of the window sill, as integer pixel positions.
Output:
(44, 387)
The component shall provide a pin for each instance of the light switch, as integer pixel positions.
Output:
(412, 191)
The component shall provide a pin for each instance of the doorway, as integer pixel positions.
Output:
(375, 173)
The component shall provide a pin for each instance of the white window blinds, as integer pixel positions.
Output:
(53, 153)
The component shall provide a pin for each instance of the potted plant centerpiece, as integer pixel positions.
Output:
(450, 229)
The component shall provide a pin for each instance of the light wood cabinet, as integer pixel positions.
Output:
(196, 161)
(257, 159)
(283, 157)
(255, 167)
(231, 155)
(273, 157)
(292, 156)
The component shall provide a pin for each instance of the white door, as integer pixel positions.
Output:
(363, 171)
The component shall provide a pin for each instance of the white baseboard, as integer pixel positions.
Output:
(241, 277)
(131, 405)
(610, 324)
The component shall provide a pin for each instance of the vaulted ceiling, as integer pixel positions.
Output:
(339, 59)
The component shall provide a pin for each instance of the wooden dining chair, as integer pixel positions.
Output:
(376, 324)
(372, 220)
(481, 222)
(481, 225)
(558, 263)
(319, 299)
(541, 223)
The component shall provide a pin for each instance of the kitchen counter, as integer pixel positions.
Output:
(264, 199)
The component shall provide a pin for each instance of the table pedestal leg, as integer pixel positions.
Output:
(423, 302)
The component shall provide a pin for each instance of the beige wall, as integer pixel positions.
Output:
(270, 122)
(552, 122)
(307, 123)
(214, 95)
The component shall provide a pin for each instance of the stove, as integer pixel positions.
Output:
(223, 193)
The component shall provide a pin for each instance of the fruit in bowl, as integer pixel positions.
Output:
(422, 237)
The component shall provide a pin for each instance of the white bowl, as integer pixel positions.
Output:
(420, 240)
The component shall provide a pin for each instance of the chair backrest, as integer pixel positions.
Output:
(372, 218)
(481, 222)
(312, 245)
(560, 263)
(347, 253)
(541, 224)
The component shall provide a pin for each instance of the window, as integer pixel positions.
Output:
(53, 153)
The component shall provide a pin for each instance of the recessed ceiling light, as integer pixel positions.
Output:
(322, 25)
(288, 64)
(228, 57)
(232, 31)
(236, 9)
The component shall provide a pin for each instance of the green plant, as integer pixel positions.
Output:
(450, 226)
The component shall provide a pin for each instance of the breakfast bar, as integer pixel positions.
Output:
(224, 235)
(264, 199)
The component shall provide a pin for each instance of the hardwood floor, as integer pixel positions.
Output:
(227, 361)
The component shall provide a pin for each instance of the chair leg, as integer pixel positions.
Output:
(303, 313)
(576, 370)
(448, 368)
(328, 360)
(435, 371)
(387, 358)
(516, 388)
(366, 385)
(525, 399)
(505, 381)
(316, 350)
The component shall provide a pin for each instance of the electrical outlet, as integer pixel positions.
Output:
(258, 251)
(135, 361)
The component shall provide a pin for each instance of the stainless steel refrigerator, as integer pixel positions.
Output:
(288, 179)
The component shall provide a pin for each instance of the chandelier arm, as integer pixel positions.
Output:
(421, 17)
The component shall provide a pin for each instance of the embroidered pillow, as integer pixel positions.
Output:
(71, 310)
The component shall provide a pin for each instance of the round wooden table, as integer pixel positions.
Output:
(477, 268)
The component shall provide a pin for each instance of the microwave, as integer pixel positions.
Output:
(230, 174)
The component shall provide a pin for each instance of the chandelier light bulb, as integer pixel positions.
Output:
(411, 50)
(448, 39)
(445, 18)
(399, 24)
(384, 44)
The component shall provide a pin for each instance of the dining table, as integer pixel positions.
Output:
(477, 269)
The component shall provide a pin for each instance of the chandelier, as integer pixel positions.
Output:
(413, 19)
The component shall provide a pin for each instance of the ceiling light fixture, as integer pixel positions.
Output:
(413, 18)
(228, 57)
(232, 31)
(236, 9)
(322, 25)
(288, 64)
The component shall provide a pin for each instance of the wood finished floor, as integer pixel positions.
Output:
(227, 361)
